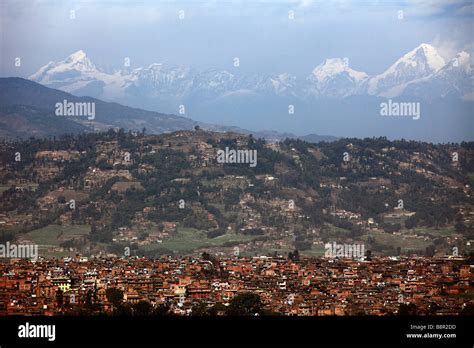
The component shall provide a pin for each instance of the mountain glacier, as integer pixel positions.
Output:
(421, 73)
(332, 99)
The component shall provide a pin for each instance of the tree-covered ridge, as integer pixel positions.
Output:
(150, 192)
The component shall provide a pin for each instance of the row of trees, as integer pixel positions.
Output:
(246, 304)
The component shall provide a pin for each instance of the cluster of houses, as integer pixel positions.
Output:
(314, 287)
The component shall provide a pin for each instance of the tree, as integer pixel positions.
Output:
(89, 295)
(208, 257)
(407, 309)
(115, 296)
(245, 304)
(303, 245)
(142, 308)
(59, 297)
(460, 227)
(468, 309)
(217, 309)
(410, 222)
(294, 256)
(430, 251)
(161, 310)
(199, 309)
(124, 309)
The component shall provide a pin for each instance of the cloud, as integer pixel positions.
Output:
(446, 48)
(466, 10)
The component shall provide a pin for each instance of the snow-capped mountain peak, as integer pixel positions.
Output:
(335, 66)
(415, 73)
(77, 74)
(428, 53)
(454, 79)
(76, 64)
(76, 61)
(76, 56)
(419, 63)
(284, 84)
(334, 78)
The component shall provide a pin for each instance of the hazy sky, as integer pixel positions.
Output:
(212, 33)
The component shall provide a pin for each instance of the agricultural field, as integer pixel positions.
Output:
(187, 240)
(50, 237)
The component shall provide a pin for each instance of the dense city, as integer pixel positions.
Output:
(237, 286)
